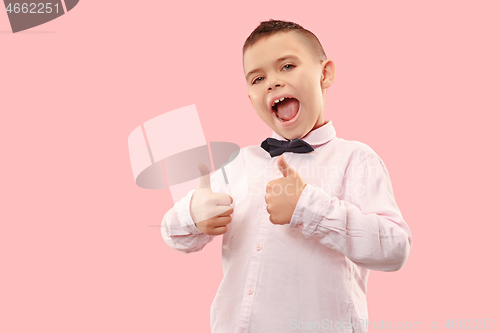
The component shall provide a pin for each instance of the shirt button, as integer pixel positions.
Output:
(249, 291)
(258, 247)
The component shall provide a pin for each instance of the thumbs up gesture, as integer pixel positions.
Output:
(282, 194)
(211, 212)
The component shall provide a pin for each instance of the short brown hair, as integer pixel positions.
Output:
(271, 27)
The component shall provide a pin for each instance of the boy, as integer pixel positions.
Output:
(318, 212)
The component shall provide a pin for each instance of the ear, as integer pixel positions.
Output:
(328, 74)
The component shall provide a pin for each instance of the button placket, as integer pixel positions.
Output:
(254, 268)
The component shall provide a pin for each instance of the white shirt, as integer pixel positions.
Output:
(310, 274)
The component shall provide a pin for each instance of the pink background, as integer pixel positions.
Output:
(81, 249)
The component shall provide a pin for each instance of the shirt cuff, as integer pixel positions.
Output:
(184, 215)
(311, 210)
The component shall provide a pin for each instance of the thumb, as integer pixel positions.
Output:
(204, 176)
(285, 169)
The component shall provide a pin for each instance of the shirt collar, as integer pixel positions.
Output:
(317, 137)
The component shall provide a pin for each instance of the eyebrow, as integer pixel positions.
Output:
(290, 56)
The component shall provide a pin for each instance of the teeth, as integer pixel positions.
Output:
(278, 100)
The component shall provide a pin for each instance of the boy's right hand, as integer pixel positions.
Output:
(211, 212)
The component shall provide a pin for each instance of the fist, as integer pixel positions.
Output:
(211, 212)
(282, 194)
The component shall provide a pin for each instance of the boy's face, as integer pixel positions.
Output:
(282, 66)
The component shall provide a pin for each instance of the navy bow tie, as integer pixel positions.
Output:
(277, 147)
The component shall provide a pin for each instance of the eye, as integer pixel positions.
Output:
(257, 80)
(288, 67)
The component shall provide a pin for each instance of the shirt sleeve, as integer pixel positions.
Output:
(367, 227)
(177, 227)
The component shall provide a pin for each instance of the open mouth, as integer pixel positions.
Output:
(285, 108)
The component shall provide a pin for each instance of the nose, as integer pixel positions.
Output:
(272, 84)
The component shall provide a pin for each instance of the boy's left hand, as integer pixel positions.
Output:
(282, 194)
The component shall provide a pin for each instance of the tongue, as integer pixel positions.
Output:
(288, 108)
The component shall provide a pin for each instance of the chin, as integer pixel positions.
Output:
(290, 135)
